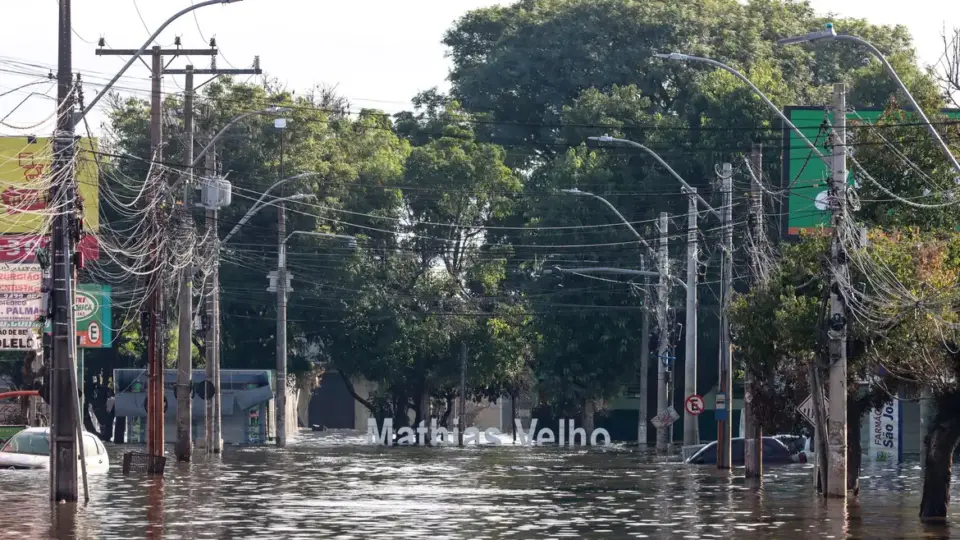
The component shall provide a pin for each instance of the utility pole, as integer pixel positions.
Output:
(691, 430)
(753, 455)
(212, 327)
(155, 435)
(462, 405)
(837, 333)
(184, 447)
(643, 418)
(63, 392)
(724, 409)
(663, 398)
(155, 309)
(281, 124)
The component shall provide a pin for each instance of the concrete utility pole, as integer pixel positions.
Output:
(724, 410)
(63, 391)
(281, 399)
(753, 455)
(837, 331)
(691, 430)
(184, 447)
(663, 384)
(462, 405)
(212, 326)
(644, 416)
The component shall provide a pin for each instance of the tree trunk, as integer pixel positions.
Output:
(939, 445)
(445, 419)
(589, 410)
(423, 413)
(854, 449)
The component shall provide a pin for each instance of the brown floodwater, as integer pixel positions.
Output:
(336, 485)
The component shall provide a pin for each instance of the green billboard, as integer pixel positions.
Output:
(805, 175)
(93, 313)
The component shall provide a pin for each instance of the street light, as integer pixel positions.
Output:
(679, 57)
(609, 139)
(203, 153)
(282, 277)
(575, 191)
(831, 34)
(260, 205)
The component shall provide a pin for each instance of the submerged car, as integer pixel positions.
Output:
(30, 449)
(774, 453)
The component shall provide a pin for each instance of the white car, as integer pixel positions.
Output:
(30, 449)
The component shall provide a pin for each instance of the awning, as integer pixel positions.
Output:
(131, 404)
(250, 398)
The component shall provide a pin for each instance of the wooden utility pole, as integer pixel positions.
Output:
(837, 323)
(724, 410)
(753, 445)
(63, 391)
(155, 313)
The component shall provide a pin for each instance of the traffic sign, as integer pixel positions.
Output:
(806, 408)
(665, 417)
(694, 404)
(720, 413)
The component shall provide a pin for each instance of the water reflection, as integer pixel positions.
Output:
(333, 485)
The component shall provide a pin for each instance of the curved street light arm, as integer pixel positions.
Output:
(134, 58)
(686, 57)
(893, 75)
(615, 211)
(607, 138)
(321, 234)
(260, 205)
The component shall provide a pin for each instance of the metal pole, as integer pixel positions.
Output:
(725, 422)
(184, 446)
(462, 405)
(77, 407)
(210, 340)
(663, 400)
(837, 427)
(893, 75)
(644, 417)
(691, 430)
(753, 457)
(281, 315)
(63, 442)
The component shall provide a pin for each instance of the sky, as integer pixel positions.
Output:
(378, 53)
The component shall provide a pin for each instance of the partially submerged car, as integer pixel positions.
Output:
(30, 449)
(774, 453)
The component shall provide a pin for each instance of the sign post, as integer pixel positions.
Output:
(721, 409)
(886, 433)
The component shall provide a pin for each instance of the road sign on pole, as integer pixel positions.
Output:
(694, 404)
(806, 409)
(665, 417)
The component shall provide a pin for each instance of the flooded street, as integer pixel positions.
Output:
(334, 485)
